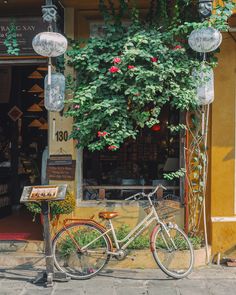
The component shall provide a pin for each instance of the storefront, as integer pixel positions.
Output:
(102, 179)
(23, 127)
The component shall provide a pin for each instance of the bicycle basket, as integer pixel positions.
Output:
(166, 209)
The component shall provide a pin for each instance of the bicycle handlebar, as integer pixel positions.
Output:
(142, 195)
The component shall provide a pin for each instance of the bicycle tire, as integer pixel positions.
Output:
(176, 263)
(77, 264)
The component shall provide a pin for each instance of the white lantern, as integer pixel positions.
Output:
(205, 39)
(205, 89)
(54, 92)
(49, 44)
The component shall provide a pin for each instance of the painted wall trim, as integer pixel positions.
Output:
(223, 219)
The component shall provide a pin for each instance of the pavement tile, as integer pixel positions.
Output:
(163, 291)
(194, 291)
(45, 291)
(222, 287)
(68, 291)
(9, 291)
(130, 291)
(13, 283)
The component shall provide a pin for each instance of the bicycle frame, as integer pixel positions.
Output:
(134, 233)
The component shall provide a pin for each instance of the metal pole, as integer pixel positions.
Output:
(48, 244)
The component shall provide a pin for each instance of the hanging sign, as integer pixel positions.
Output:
(26, 29)
(61, 167)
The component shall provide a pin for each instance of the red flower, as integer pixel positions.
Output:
(112, 147)
(178, 47)
(113, 69)
(117, 60)
(131, 67)
(77, 106)
(156, 127)
(154, 59)
(102, 134)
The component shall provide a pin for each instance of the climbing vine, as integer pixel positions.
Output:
(10, 41)
(125, 77)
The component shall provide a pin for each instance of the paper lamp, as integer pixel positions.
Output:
(54, 92)
(205, 89)
(35, 75)
(35, 123)
(205, 39)
(35, 89)
(34, 108)
(49, 44)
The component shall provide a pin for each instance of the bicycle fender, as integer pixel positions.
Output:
(154, 231)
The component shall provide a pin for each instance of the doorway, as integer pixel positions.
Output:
(23, 138)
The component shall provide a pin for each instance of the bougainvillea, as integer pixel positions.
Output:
(125, 77)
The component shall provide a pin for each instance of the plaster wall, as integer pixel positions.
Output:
(223, 199)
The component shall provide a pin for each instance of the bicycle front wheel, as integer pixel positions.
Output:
(172, 251)
(81, 250)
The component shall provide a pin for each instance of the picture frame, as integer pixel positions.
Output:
(41, 193)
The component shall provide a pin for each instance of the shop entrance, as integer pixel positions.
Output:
(23, 138)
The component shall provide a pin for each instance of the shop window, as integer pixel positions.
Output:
(139, 165)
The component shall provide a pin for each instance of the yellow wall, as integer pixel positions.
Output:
(223, 149)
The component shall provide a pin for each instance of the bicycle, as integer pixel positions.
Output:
(83, 247)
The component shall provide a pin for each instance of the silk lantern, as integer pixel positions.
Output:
(54, 92)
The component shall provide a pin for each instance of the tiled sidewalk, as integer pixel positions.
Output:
(206, 281)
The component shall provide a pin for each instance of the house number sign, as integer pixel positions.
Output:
(62, 136)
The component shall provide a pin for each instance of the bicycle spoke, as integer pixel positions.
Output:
(81, 250)
(173, 252)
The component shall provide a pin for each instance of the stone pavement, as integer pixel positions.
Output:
(212, 280)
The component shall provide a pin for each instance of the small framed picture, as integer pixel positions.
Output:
(41, 193)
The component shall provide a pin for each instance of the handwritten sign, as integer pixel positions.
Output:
(61, 167)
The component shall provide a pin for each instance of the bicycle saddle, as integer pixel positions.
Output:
(107, 215)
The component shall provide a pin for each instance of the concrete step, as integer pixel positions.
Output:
(18, 260)
(22, 246)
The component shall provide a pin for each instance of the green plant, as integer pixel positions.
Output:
(57, 207)
(127, 76)
(10, 41)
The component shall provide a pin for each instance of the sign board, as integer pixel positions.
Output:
(26, 29)
(44, 193)
(61, 167)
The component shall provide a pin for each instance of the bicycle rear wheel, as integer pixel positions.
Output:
(172, 251)
(81, 250)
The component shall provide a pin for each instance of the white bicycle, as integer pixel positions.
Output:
(83, 247)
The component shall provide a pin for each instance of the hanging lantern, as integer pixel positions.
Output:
(54, 92)
(49, 44)
(35, 75)
(205, 90)
(205, 39)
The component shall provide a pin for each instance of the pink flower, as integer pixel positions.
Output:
(112, 147)
(77, 128)
(77, 106)
(131, 67)
(178, 47)
(113, 69)
(154, 59)
(117, 60)
(102, 134)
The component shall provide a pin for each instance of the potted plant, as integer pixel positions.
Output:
(56, 208)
